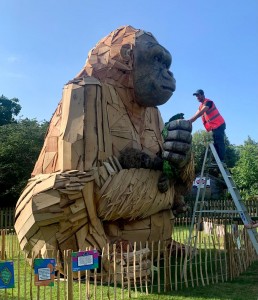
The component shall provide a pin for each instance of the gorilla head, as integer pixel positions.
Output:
(132, 58)
(154, 84)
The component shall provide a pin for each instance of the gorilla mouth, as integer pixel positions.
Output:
(165, 87)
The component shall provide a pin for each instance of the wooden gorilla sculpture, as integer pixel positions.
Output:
(99, 176)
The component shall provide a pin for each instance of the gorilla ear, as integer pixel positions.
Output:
(126, 52)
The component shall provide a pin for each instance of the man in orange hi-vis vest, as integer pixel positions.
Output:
(212, 121)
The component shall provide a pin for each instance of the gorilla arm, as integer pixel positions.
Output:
(60, 195)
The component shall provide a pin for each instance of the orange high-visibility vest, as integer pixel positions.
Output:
(211, 118)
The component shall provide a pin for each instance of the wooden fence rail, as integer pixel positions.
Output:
(7, 213)
(6, 217)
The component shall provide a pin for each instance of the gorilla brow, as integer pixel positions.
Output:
(151, 45)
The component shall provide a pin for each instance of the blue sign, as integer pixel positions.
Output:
(6, 275)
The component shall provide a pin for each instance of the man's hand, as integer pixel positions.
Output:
(177, 143)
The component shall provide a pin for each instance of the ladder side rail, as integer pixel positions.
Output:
(200, 214)
(237, 199)
(233, 191)
(197, 196)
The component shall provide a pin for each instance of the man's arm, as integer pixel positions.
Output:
(199, 113)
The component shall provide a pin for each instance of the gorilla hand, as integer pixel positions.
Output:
(177, 142)
(163, 183)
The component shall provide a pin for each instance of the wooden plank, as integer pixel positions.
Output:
(115, 114)
(23, 202)
(99, 122)
(74, 124)
(88, 194)
(48, 161)
(116, 161)
(37, 243)
(81, 237)
(25, 214)
(137, 225)
(47, 182)
(75, 197)
(64, 226)
(158, 266)
(103, 189)
(69, 243)
(48, 218)
(65, 107)
(110, 170)
(77, 152)
(90, 127)
(103, 173)
(96, 178)
(50, 248)
(106, 125)
(46, 199)
(78, 205)
(79, 216)
(176, 268)
(131, 235)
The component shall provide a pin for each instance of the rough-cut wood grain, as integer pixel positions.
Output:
(79, 194)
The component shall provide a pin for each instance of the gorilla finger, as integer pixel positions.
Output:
(180, 124)
(179, 135)
(175, 146)
(174, 158)
(163, 187)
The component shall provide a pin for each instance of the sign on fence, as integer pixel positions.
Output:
(85, 260)
(44, 270)
(201, 181)
(6, 275)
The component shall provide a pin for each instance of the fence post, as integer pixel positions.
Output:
(3, 245)
(69, 275)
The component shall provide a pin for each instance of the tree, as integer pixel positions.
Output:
(246, 170)
(20, 144)
(201, 138)
(231, 154)
(8, 109)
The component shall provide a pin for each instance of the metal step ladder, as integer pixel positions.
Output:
(240, 207)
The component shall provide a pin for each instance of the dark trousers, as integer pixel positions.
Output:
(219, 140)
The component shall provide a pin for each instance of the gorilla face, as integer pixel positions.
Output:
(154, 84)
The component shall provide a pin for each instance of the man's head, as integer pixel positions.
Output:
(199, 95)
(132, 58)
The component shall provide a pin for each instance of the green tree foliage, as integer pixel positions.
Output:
(231, 154)
(201, 138)
(246, 170)
(8, 109)
(20, 144)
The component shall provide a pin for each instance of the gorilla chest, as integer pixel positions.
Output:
(134, 130)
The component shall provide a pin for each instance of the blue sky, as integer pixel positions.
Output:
(214, 45)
